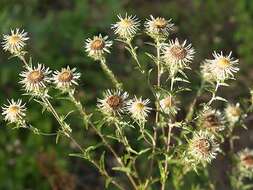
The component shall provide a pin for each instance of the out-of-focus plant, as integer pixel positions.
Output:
(170, 148)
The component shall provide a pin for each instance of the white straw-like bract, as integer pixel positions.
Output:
(177, 55)
(66, 78)
(158, 28)
(35, 79)
(15, 41)
(126, 27)
(222, 66)
(113, 102)
(14, 111)
(138, 108)
(98, 46)
(203, 147)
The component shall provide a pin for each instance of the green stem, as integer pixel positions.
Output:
(214, 93)
(76, 143)
(117, 157)
(158, 49)
(167, 157)
(110, 74)
(132, 51)
(192, 106)
(22, 58)
(64, 125)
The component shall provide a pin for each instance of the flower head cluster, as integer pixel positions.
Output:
(138, 108)
(113, 103)
(246, 163)
(98, 46)
(222, 67)
(14, 112)
(35, 78)
(203, 147)
(66, 78)
(158, 28)
(15, 41)
(127, 27)
(176, 55)
(211, 120)
(233, 113)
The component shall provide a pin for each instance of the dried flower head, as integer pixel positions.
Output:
(158, 28)
(246, 162)
(14, 112)
(15, 42)
(98, 46)
(222, 66)
(169, 105)
(35, 78)
(233, 113)
(66, 78)
(127, 27)
(211, 120)
(207, 74)
(138, 108)
(113, 102)
(202, 147)
(177, 55)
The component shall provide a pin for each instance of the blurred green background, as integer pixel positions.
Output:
(58, 28)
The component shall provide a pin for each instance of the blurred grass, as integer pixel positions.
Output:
(58, 28)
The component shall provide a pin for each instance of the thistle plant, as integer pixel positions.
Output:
(159, 149)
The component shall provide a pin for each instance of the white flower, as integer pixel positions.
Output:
(177, 55)
(66, 78)
(98, 46)
(169, 105)
(223, 66)
(158, 28)
(138, 108)
(113, 102)
(35, 78)
(246, 162)
(14, 111)
(126, 27)
(211, 120)
(202, 147)
(15, 42)
(233, 113)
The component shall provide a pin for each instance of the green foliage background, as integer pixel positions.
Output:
(58, 29)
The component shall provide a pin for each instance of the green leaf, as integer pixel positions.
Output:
(102, 161)
(107, 182)
(122, 169)
(144, 151)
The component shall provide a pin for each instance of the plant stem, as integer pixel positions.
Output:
(83, 113)
(132, 51)
(192, 106)
(63, 126)
(166, 156)
(22, 58)
(76, 143)
(214, 93)
(158, 48)
(110, 74)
